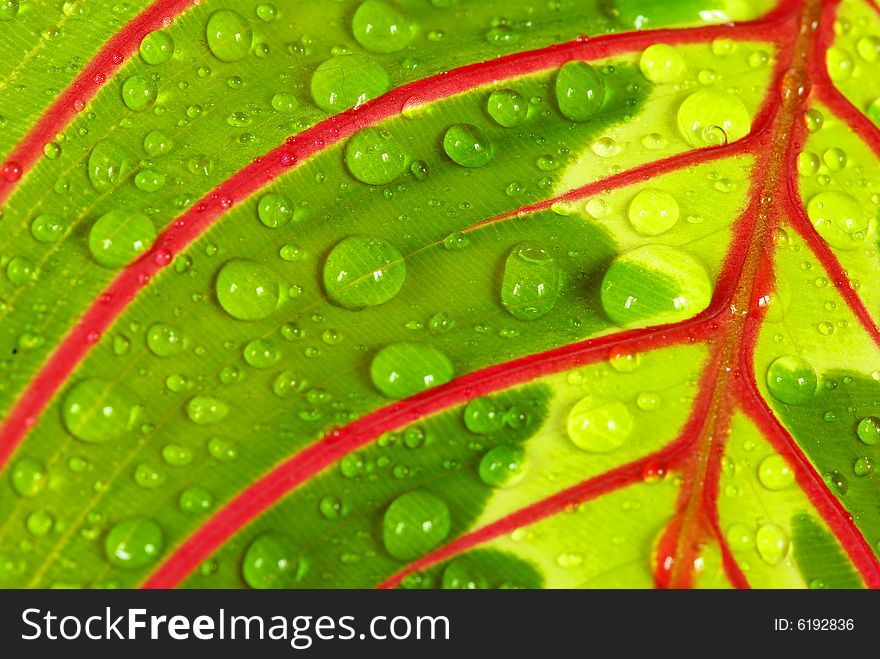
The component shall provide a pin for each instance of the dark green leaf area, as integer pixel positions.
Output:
(337, 523)
(476, 570)
(839, 430)
(819, 557)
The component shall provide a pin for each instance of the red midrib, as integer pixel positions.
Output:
(98, 72)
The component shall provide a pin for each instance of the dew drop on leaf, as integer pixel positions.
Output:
(863, 466)
(195, 500)
(157, 143)
(206, 410)
(503, 466)
(117, 238)
(28, 477)
(284, 102)
(8, 9)
(808, 163)
(229, 35)
(840, 64)
(274, 210)
(868, 430)
(652, 212)
(157, 47)
(404, 369)
(261, 353)
(363, 271)
(347, 81)
(740, 538)
(139, 93)
(271, 561)
(133, 543)
(711, 117)
(772, 543)
(482, 416)
(654, 284)
(458, 575)
(838, 218)
(48, 228)
(381, 27)
(580, 91)
(507, 107)
(375, 157)
(415, 523)
(467, 145)
(96, 410)
(107, 163)
(164, 340)
(661, 63)
(774, 473)
(148, 477)
(530, 283)
(247, 290)
(792, 379)
(597, 426)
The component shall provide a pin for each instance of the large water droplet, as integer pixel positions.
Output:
(482, 416)
(247, 290)
(274, 210)
(772, 543)
(363, 271)
(774, 473)
(404, 369)
(157, 47)
(8, 9)
(839, 219)
(415, 523)
(467, 145)
(164, 340)
(133, 543)
(381, 27)
(261, 353)
(599, 427)
(48, 228)
(580, 91)
(229, 35)
(347, 81)
(28, 477)
(655, 284)
(503, 466)
(107, 163)
(507, 107)
(375, 156)
(711, 117)
(792, 379)
(97, 410)
(868, 430)
(206, 410)
(119, 237)
(661, 63)
(139, 93)
(531, 280)
(652, 212)
(271, 561)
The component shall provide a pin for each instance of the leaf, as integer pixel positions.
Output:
(412, 295)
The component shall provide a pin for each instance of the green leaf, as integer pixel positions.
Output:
(439, 295)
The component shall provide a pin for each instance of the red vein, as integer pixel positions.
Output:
(84, 87)
(191, 224)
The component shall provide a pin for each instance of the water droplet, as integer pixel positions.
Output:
(139, 93)
(863, 466)
(157, 143)
(580, 91)
(28, 477)
(164, 340)
(508, 107)
(792, 379)
(652, 212)
(274, 210)
(839, 219)
(39, 523)
(148, 477)
(654, 284)
(149, 180)
(415, 523)
(195, 500)
(661, 64)
(531, 280)
(133, 543)
(503, 466)
(206, 410)
(267, 12)
(229, 35)
(97, 410)
(840, 64)
(375, 157)
(772, 543)
(117, 238)
(347, 81)
(869, 430)
(222, 449)
(271, 561)
(261, 353)
(835, 159)
(157, 47)
(808, 163)
(774, 473)
(48, 228)
(740, 538)
(8, 9)
(380, 27)
(176, 455)
(284, 102)
(482, 417)
(247, 290)
(710, 117)
(404, 369)
(599, 427)
(332, 507)
(467, 145)
(107, 163)
(814, 120)
(363, 271)
(623, 361)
